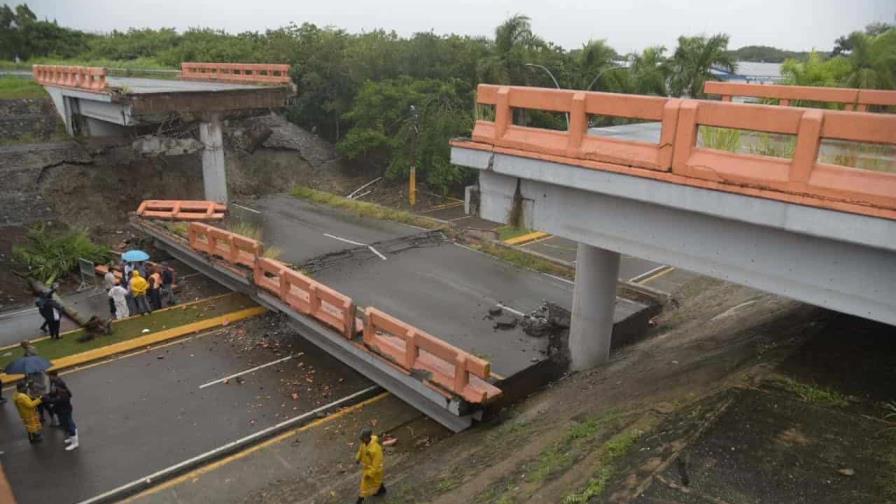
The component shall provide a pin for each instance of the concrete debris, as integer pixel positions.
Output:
(847, 471)
(505, 322)
(546, 319)
(495, 311)
(155, 146)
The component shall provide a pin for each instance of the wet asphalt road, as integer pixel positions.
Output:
(142, 413)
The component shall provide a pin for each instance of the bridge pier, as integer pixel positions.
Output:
(593, 303)
(214, 175)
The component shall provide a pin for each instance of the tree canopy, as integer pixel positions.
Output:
(388, 101)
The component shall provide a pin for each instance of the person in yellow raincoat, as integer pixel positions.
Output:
(138, 287)
(28, 411)
(370, 456)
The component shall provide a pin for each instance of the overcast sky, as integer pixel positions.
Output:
(627, 25)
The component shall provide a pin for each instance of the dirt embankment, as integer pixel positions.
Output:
(724, 405)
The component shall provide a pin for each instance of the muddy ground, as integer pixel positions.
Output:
(739, 397)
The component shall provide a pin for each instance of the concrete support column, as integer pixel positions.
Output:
(214, 175)
(593, 302)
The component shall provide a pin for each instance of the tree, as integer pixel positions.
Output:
(649, 72)
(816, 71)
(873, 60)
(514, 42)
(397, 121)
(691, 63)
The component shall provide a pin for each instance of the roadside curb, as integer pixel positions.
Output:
(78, 359)
(349, 403)
(526, 238)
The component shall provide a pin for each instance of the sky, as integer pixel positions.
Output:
(626, 25)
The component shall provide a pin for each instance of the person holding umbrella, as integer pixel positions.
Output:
(27, 407)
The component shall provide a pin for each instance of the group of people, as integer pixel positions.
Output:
(45, 394)
(142, 289)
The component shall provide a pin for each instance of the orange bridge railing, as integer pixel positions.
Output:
(79, 77)
(851, 99)
(262, 73)
(678, 158)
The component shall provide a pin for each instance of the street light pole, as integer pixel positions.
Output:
(556, 84)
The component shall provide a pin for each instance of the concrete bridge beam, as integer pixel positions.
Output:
(593, 303)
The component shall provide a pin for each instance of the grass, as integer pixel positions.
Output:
(508, 232)
(613, 450)
(561, 456)
(133, 327)
(525, 260)
(16, 88)
(363, 209)
(813, 393)
(243, 228)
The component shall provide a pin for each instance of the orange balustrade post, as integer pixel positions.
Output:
(807, 145)
(578, 125)
(502, 112)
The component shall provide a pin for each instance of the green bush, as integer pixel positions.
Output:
(51, 254)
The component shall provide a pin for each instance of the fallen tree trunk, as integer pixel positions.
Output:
(93, 325)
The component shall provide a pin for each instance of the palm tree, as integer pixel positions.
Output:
(649, 72)
(692, 61)
(873, 60)
(513, 41)
(591, 63)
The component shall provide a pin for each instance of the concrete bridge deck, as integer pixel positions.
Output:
(424, 280)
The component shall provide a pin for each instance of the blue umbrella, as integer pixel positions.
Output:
(135, 256)
(27, 365)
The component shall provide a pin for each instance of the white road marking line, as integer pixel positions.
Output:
(377, 252)
(637, 278)
(511, 310)
(246, 208)
(241, 373)
(346, 240)
(17, 312)
(555, 277)
(148, 479)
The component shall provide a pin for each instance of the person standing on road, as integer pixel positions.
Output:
(28, 412)
(118, 296)
(54, 311)
(108, 283)
(168, 286)
(370, 456)
(138, 286)
(61, 398)
(155, 289)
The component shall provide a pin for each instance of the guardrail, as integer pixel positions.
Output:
(677, 157)
(306, 295)
(449, 368)
(416, 350)
(262, 73)
(229, 246)
(78, 77)
(184, 210)
(851, 99)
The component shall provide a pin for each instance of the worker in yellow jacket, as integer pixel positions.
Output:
(138, 286)
(370, 456)
(28, 411)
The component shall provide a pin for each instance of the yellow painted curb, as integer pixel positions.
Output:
(174, 307)
(526, 238)
(142, 341)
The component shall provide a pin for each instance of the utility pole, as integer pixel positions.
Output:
(412, 181)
